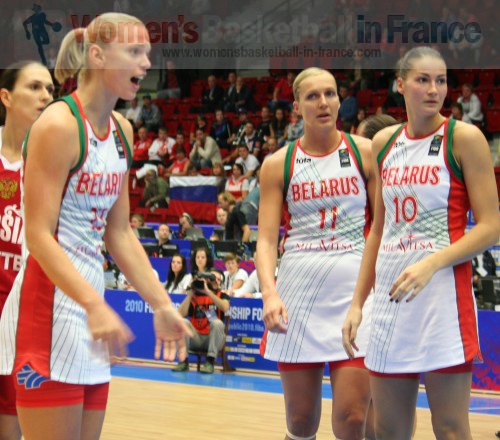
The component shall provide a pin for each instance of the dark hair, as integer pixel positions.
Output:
(220, 272)
(173, 280)
(210, 260)
(238, 165)
(8, 81)
(416, 53)
(373, 124)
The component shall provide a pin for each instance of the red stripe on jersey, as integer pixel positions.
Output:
(458, 206)
(263, 343)
(34, 332)
(84, 117)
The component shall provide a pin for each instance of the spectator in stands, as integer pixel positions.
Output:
(283, 93)
(219, 172)
(348, 104)
(133, 114)
(251, 199)
(193, 170)
(201, 261)
(221, 216)
(249, 161)
(251, 287)
(181, 141)
(360, 116)
(234, 276)
(160, 150)
(205, 305)
(380, 110)
(136, 221)
(177, 278)
(140, 155)
(205, 151)
(155, 192)
(163, 234)
(270, 147)
(199, 123)
(171, 85)
(222, 130)
(251, 139)
(278, 125)
(264, 127)
(457, 111)
(234, 184)
(150, 114)
(360, 76)
(237, 139)
(483, 265)
(185, 222)
(471, 105)
(231, 79)
(211, 98)
(241, 96)
(294, 129)
(236, 225)
(180, 165)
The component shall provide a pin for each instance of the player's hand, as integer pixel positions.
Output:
(28, 35)
(275, 314)
(350, 330)
(170, 329)
(412, 280)
(105, 324)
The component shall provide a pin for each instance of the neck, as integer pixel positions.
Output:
(320, 142)
(13, 136)
(419, 127)
(97, 103)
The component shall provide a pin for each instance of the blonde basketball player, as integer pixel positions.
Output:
(25, 89)
(429, 172)
(57, 332)
(324, 182)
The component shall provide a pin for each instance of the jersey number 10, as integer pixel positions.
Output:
(407, 208)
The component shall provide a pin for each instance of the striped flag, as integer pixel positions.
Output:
(196, 195)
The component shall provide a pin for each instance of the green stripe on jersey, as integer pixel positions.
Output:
(81, 129)
(288, 167)
(382, 152)
(356, 152)
(449, 150)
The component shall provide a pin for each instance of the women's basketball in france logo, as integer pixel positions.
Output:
(40, 27)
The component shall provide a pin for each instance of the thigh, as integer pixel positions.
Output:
(9, 427)
(449, 397)
(51, 423)
(302, 391)
(92, 421)
(394, 400)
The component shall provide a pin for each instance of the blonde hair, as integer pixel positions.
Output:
(72, 59)
(311, 71)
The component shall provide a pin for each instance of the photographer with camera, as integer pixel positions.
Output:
(205, 305)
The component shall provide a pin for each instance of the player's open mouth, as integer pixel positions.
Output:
(137, 79)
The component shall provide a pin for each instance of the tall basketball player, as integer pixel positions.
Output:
(430, 171)
(25, 89)
(57, 332)
(325, 183)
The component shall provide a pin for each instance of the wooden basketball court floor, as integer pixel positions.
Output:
(149, 402)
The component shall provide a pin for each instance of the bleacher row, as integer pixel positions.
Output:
(179, 114)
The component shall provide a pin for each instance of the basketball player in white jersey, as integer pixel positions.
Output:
(25, 89)
(430, 171)
(57, 332)
(324, 183)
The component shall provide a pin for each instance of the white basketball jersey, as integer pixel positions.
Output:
(327, 221)
(426, 207)
(41, 326)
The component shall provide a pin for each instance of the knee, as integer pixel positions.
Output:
(217, 326)
(349, 424)
(450, 428)
(302, 426)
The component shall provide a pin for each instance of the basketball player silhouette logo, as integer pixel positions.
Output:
(38, 21)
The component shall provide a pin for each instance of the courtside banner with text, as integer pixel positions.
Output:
(246, 330)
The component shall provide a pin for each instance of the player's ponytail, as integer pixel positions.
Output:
(71, 59)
